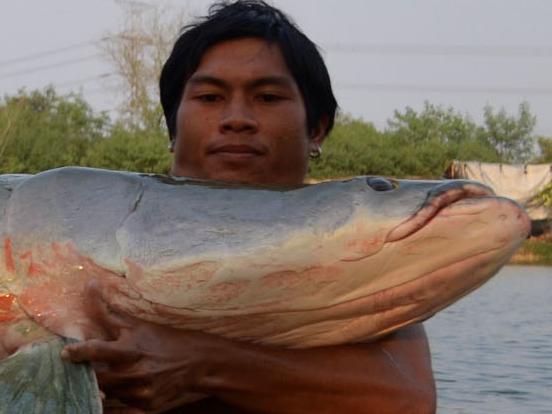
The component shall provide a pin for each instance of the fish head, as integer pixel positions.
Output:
(372, 212)
(408, 249)
(434, 217)
(436, 242)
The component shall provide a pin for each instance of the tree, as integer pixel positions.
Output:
(415, 144)
(433, 123)
(43, 130)
(9, 118)
(354, 147)
(510, 135)
(130, 149)
(428, 141)
(137, 54)
(545, 149)
(545, 146)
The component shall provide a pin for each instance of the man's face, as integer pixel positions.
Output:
(242, 118)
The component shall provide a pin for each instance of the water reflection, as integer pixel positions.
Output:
(492, 351)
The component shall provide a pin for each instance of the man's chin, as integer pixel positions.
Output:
(243, 168)
(240, 175)
(254, 171)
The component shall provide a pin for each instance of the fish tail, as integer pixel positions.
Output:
(36, 380)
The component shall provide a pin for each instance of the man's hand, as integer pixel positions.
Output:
(143, 365)
(155, 368)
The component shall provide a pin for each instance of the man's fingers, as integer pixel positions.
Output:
(111, 379)
(140, 396)
(98, 310)
(95, 350)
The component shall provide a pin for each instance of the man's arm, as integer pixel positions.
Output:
(392, 375)
(152, 367)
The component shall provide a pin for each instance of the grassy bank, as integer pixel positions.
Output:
(535, 251)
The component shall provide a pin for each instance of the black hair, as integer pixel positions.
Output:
(249, 18)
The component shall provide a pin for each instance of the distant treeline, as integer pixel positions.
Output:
(40, 130)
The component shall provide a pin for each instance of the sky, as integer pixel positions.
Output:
(383, 55)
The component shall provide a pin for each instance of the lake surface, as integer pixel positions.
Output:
(492, 351)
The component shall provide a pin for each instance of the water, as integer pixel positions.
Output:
(492, 351)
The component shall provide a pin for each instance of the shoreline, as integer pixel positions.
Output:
(534, 251)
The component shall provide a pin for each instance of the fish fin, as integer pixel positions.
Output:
(36, 380)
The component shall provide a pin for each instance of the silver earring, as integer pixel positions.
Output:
(315, 153)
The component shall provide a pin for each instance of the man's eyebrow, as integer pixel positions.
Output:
(200, 79)
(272, 80)
(283, 81)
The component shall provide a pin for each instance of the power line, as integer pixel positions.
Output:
(94, 91)
(49, 66)
(133, 4)
(446, 50)
(395, 49)
(50, 52)
(397, 87)
(84, 80)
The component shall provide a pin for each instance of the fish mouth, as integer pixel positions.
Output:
(437, 199)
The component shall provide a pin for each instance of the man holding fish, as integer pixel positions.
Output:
(247, 99)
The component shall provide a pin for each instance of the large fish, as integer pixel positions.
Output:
(331, 263)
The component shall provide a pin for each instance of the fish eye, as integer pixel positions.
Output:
(381, 184)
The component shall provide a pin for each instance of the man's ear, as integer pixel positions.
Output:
(318, 134)
(171, 144)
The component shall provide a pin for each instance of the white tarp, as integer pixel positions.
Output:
(519, 182)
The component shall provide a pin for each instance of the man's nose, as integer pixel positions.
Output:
(238, 117)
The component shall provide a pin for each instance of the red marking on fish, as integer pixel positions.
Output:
(33, 268)
(200, 273)
(135, 272)
(6, 303)
(64, 275)
(57, 248)
(364, 246)
(283, 279)
(306, 282)
(7, 317)
(8, 255)
(227, 291)
(359, 246)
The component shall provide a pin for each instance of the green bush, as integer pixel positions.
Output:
(130, 149)
(42, 130)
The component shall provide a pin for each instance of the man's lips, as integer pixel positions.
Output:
(235, 149)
